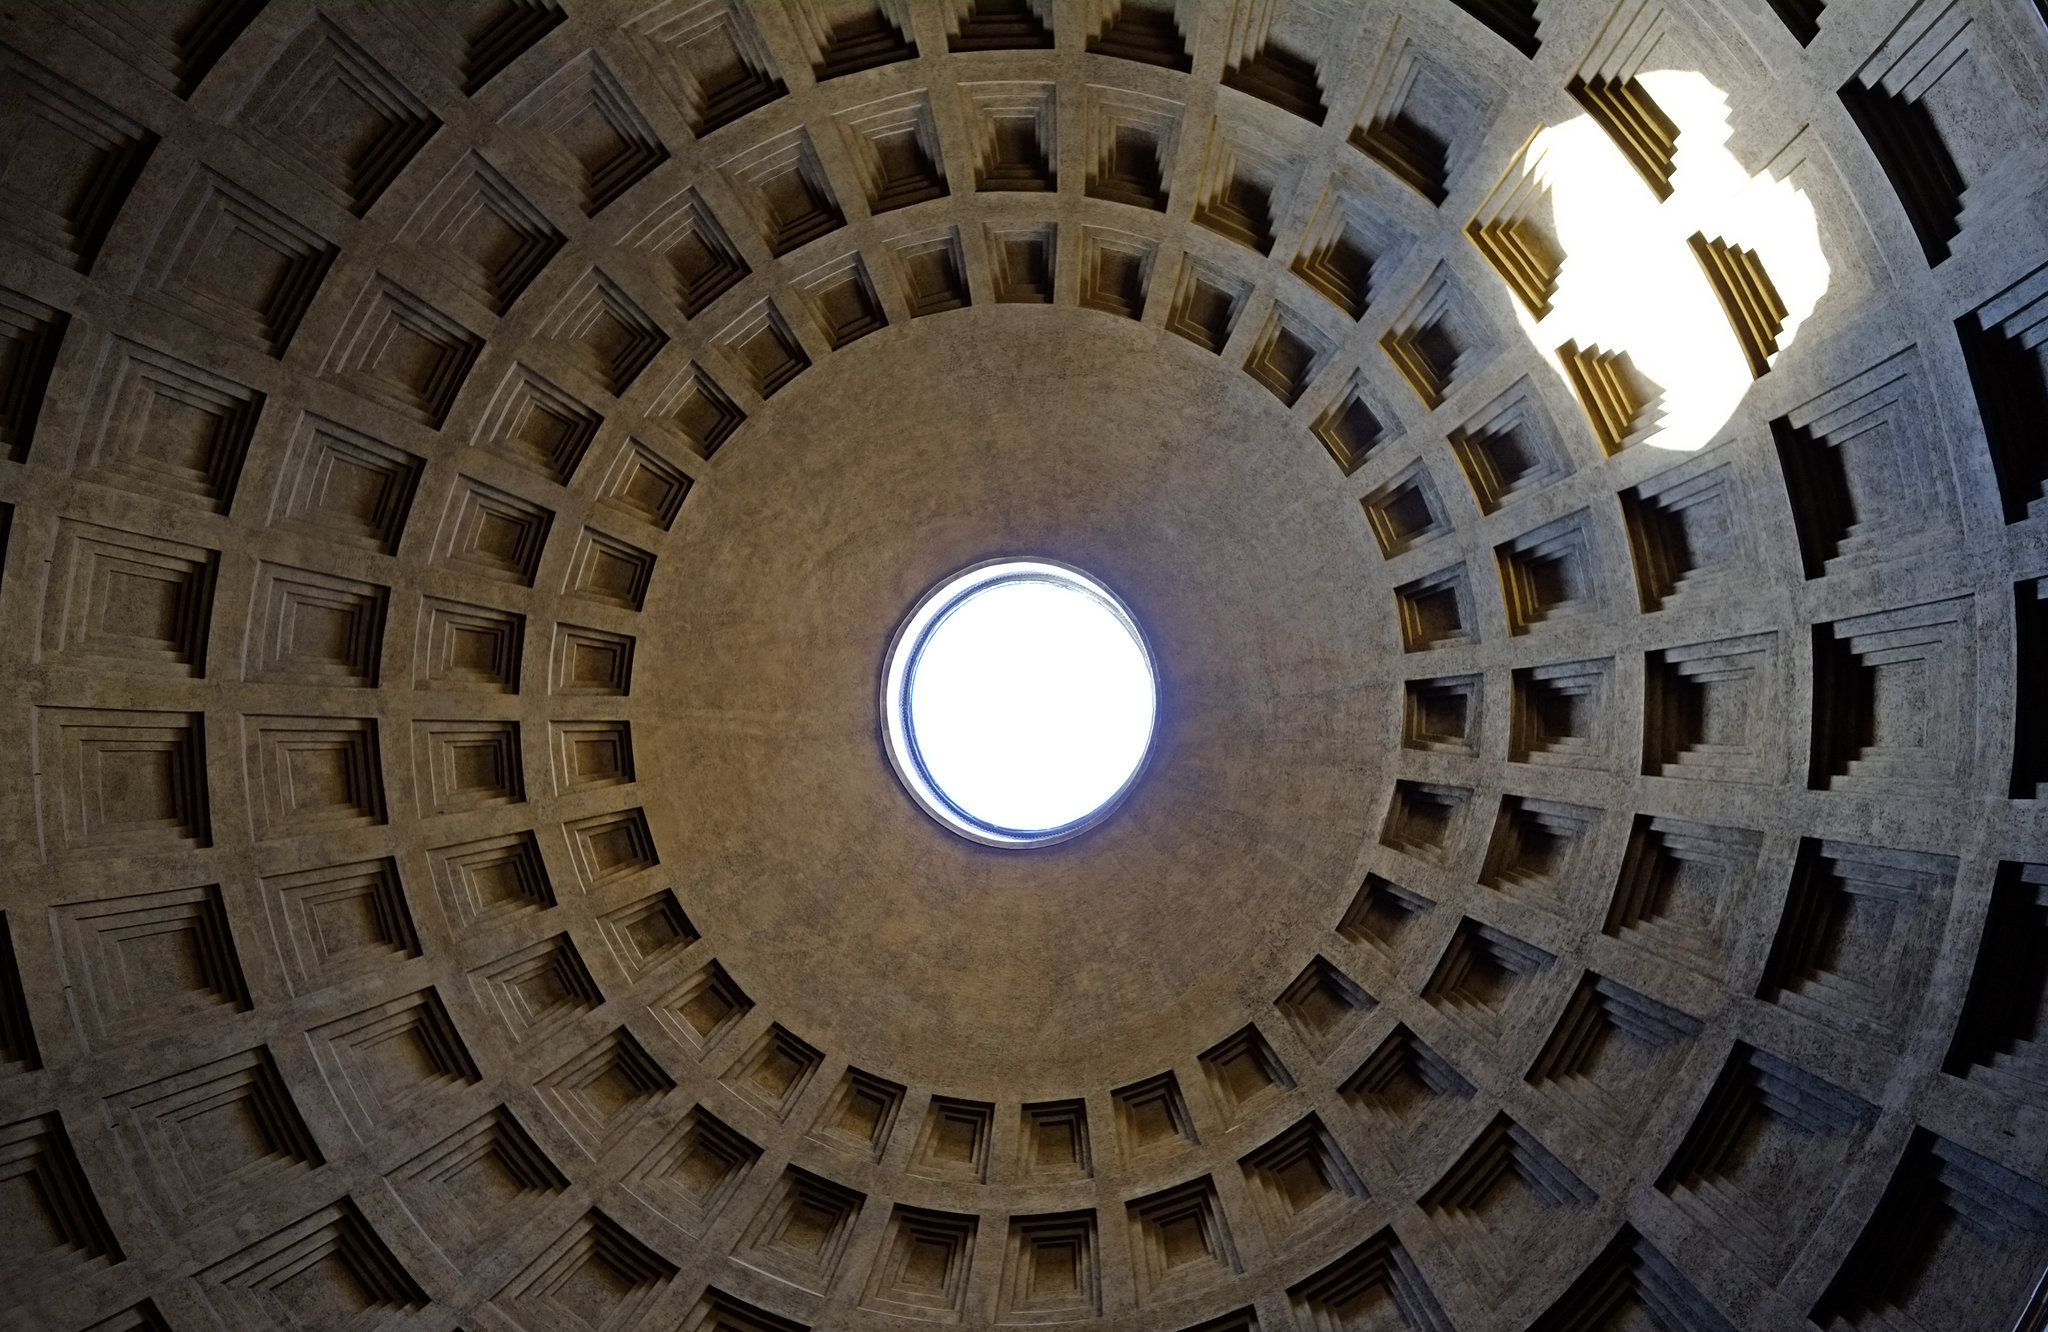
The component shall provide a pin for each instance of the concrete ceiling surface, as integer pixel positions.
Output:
(461, 467)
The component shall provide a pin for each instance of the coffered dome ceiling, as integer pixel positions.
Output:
(464, 465)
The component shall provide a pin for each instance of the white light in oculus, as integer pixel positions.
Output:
(1019, 702)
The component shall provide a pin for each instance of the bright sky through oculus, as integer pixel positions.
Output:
(1018, 702)
(1031, 704)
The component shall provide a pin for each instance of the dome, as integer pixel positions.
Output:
(1576, 471)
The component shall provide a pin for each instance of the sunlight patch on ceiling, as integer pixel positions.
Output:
(1633, 280)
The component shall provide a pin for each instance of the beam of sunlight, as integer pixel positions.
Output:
(1630, 283)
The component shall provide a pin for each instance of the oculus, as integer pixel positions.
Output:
(1018, 702)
